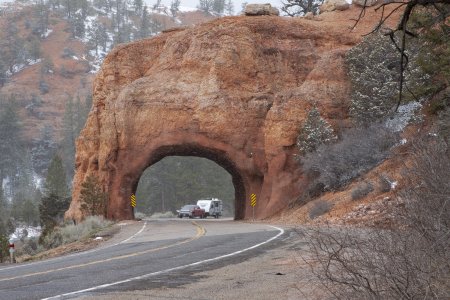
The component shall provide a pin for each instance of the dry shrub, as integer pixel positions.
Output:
(385, 183)
(411, 262)
(359, 150)
(319, 208)
(362, 190)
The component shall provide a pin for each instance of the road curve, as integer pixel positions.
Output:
(159, 248)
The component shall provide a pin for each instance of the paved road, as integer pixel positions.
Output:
(162, 249)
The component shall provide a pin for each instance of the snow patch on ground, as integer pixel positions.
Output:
(394, 185)
(20, 230)
(186, 9)
(47, 33)
(404, 116)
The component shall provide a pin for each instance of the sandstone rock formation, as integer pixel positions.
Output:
(332, 5)
(234, 90)
(365, 2)
(261, 10)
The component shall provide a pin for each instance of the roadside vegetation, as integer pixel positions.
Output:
(411, 259)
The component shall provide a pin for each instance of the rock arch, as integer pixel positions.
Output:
(234, 90)
(175, 145)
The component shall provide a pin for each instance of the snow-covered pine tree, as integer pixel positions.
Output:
(314, 132)
(373, 70)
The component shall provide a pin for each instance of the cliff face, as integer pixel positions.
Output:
(234, 90)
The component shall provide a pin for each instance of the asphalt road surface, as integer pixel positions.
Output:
(165, 251)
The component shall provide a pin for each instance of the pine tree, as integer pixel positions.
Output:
(144, 28)
(55, 182)
(43, 150)
(218, 6)
(33, 47)
(229, 8)
(373, 70)
(12, 51)
(138, 4)
(55, 200)
(98, 37)
(51, 211)
(4, 212)
(24, 189)
(42, 13)
(206, 6)
(3, 246)
(175, 7)
(11, 139)
(314, 132)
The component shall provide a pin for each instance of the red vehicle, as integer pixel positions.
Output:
(198, 212)
(191, 211)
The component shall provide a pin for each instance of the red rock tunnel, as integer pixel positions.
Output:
(234, 90)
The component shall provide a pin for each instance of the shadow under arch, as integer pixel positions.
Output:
(195, 150)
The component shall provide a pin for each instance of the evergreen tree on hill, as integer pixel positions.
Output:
(11, 138)
(55, 182)
(55, 200)
(315, 132)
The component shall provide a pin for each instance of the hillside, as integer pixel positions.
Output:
(70, 61)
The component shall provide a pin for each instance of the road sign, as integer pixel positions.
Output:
(11, 246)
(253, 200)
(11, 251)
(133, 200)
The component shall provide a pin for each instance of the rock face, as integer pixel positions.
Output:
(332, 5)
(260, 10)
(365, 2)
(234, 90)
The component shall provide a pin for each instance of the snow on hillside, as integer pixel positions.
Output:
(25, 231)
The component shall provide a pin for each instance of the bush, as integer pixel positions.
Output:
(319, 208)
(67, 53)
(66, 73)
(359, 150)
(362, 190)
(385, 183)
(4, 254)
(30, 247)
(140, 215)
(71, 233)
(44, 87)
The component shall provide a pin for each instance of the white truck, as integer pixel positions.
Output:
(212, 207)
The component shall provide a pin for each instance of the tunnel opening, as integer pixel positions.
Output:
(175, 181)
(188, 160)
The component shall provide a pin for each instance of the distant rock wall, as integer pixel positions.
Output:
(234, 90)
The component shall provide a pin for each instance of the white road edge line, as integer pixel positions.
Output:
(131, 237)
(77, 254)
(168, 270)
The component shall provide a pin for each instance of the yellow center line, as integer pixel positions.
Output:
(200, 232)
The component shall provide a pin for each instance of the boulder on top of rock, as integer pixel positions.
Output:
(261, 10)
(365, 2)
(332, 5)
